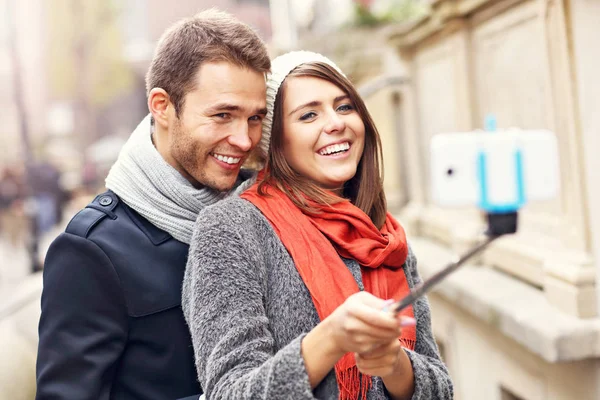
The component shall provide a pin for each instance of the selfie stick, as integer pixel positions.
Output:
(501, 218)
(426, 286)
(499, 224)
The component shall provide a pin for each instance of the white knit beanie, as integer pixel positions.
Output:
(280, 68)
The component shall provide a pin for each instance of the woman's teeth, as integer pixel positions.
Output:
(335, 148)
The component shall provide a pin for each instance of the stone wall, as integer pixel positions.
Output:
(521, 322)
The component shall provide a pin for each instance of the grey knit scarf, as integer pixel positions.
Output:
(153, 188)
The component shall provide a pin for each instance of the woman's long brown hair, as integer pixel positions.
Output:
(364, 190)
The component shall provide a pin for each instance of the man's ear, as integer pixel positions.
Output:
(160, 106)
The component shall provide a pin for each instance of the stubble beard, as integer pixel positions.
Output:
(193, 159)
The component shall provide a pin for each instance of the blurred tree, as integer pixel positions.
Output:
(377, 12)
(17, 79)
(87, 67)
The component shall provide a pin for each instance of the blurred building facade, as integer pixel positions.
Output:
(81, 68)
(145, 20)
(521, 322)
(21, 27)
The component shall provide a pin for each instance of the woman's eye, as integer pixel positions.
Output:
(345, 107)
(307, 116)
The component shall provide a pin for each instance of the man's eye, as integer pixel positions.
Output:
(257, 118)
(222, 115)
(307, 116)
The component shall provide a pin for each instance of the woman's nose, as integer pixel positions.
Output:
(335, 124)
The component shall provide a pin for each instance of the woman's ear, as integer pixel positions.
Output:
(159, 105)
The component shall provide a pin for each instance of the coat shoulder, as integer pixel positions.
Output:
(149, 262)
(102, 207)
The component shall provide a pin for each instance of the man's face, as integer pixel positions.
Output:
(219, 125)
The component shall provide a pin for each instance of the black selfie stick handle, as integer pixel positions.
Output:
(423, 288)
(499, 224)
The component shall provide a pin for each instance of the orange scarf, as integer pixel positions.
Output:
(316, 242)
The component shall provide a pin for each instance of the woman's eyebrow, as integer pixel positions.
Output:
(318, 103)
(311, 104)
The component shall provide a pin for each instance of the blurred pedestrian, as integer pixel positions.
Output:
(13, 221)
(48, 195)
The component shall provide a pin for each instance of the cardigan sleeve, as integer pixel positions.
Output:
(432, 380)
(223, 292)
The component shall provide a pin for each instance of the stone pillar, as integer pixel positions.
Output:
(585, 30)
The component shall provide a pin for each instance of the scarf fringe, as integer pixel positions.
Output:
(408, 343)
(352, 384)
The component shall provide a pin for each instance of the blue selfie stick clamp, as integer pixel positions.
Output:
(501, 217)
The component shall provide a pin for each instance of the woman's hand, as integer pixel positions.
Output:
(384, 360)
(360, 325)
(392, 364)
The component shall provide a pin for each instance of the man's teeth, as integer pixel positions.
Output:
(228, 160)
(335, 148)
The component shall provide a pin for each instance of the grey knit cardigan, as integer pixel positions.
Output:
(248, 310)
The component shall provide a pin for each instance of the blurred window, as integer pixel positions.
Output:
(4, 24)
(5, 59)
(134, 22)
(260, 2)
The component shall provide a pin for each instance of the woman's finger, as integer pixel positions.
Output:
(407, 321)
(380, 366)
(355, 328)
(374, 317)
(381, 351)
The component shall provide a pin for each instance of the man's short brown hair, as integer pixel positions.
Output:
(209, 36)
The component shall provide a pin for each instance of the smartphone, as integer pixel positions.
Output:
(495, 169)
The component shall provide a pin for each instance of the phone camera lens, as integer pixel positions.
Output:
(450, 171)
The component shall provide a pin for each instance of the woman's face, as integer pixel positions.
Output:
(323, 134)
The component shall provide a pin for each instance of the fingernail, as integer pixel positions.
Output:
(387, 304)
(407, 321)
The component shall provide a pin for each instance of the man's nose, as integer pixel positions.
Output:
(240, 138)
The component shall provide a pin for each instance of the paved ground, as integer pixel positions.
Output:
(15, 264)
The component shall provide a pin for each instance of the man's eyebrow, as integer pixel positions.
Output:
(220, 107)
(318, 103)
(223, 107)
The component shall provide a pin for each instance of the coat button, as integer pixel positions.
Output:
(105, 201)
